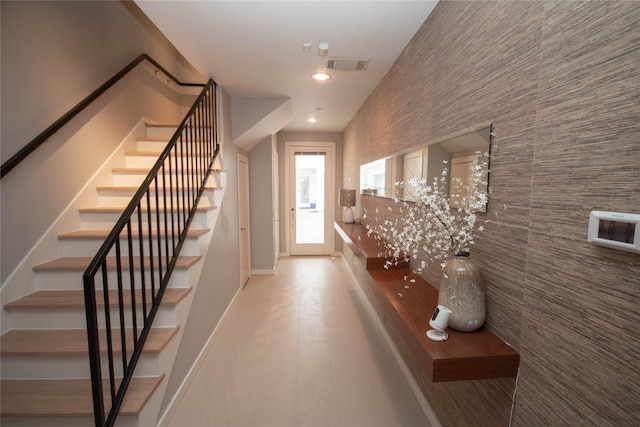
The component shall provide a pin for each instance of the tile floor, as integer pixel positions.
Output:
(298, 349)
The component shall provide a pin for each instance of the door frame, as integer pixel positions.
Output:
(244, 257)
(330, 190)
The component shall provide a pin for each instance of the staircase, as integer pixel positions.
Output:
(45, 377)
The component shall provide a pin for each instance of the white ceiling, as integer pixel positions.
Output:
(254, 48)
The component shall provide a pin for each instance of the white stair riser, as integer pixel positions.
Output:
(82, 247)
(173, 202)
(128, 179)
(102, 220)
(149, 160)
(70, 366)
(160, 131)
(107, 194)
(53, 280)
(152, 145)
(135, 179)
(158, 145)
(168, 130)
(175, 197)
(74, 318)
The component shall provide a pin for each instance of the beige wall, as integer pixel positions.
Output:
(560, 82)
(261, 175)
(56, 53)
(53, 55)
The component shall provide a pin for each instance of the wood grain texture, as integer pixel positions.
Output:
(45, 398)
(81, 263)
(586, 157)
(28, 342)
(70, 299)
(463, 356)
(560, 81)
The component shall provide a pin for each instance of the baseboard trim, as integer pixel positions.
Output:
(264, 272)
(164, 420)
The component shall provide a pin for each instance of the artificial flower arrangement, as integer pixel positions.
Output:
(429, 225)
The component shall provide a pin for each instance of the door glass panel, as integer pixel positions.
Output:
(310, 203)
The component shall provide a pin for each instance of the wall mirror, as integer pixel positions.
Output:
(379, 178)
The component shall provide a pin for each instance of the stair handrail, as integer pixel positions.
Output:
(188, 158)
(58, 124)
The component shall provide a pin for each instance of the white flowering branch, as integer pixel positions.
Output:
(429, 225)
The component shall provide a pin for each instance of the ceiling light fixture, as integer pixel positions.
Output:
(321, 76)
(312, 120)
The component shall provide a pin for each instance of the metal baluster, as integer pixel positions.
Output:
(132, 283)
(143, 281)
(123, 341)
(159, 234)
(152, 276)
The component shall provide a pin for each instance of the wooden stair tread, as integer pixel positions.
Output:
(42, 398)
(154, 138)
(68, 299)
(102, 234)
(59, 342)
(81, 263)
(160, 125)
(119, 209)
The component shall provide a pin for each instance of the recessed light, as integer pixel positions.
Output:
(312, 120)
(321, 76)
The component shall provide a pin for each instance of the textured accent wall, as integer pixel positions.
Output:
(560, 81)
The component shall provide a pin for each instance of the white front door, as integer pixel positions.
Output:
(310, 200)
(243, 219)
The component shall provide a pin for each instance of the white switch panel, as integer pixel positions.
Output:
(615, 230)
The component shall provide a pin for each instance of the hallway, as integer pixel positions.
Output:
(298, 349)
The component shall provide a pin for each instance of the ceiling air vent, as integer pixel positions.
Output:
(347, 64)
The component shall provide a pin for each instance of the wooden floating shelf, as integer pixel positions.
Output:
(464, 356)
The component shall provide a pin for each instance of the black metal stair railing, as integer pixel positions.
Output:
(138, 257)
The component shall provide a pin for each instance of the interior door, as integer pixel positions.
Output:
(276, 207)
(243, 219)
(311, 203)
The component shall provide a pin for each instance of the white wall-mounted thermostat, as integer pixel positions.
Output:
(615, 230)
